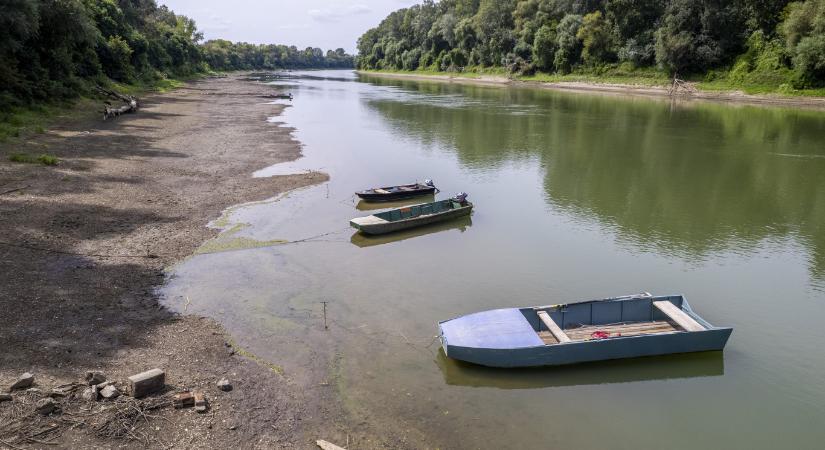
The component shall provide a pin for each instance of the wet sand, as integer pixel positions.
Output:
(84, 245)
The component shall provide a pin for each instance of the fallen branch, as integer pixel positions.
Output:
(130, 106)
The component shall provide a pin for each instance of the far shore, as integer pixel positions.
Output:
(735, 97)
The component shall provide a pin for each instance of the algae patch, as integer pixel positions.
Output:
(247, 354)
(228, 241)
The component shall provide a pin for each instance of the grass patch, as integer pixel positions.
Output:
(609, 74)
(20, 121)
(46, 160)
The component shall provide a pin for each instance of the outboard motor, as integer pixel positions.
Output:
(461, 198)
(429, 183)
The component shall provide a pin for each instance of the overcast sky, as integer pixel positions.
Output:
(328, 24)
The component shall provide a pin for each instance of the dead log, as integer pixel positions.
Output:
(108, 111)
(114, 112)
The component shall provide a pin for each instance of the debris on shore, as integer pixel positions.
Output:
(39, 416)
(224, 385)
(327, 445)
(24, 382)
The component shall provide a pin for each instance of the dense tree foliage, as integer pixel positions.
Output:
(226, 55)
(773, 37)
(50, 49)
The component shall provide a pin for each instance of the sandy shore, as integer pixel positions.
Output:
(735, 97)
(84, 244)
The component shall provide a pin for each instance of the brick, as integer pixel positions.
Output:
(184, 400)
(147, 382)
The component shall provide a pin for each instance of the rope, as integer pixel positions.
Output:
(369, 336)
(152, 255)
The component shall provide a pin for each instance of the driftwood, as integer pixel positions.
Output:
(680, 86)
(284, 96)
(108, 111)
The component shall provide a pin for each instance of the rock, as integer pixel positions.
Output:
(5, 397)
(45, 406)
(34, 391)
(224, 385)
(183, 400)
(110, 392)
(200, 402)
(147, 382)
(93, 378)
(90, 394)
(25, 381)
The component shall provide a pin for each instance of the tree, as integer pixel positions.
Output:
(804, 33)
(568, 45)
(597, 39)
(696, 36)
(544, 48)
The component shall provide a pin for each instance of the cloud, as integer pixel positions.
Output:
(337, 14)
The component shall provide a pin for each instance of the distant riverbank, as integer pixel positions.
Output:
(650, 88)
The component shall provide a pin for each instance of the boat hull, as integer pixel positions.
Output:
(520, 337)
(603, 350)
(377, 228)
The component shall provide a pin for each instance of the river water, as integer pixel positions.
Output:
(577, 197)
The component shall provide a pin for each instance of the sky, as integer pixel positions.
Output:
(328, 24)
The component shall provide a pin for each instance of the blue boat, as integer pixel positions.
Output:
(597, 330)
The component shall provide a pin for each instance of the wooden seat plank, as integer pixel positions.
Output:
(551, 325)
(678, 316)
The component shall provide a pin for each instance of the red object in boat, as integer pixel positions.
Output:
(600, 335)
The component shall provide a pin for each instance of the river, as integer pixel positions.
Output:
(577, 197)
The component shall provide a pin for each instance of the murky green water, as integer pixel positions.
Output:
(577, 197)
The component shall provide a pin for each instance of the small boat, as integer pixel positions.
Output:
(612, 328)
(392, 193)
(413, 216)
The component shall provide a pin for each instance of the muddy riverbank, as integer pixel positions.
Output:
(84, 245)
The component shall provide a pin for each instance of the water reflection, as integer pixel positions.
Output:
(692, 365)
(373, 206)
(461, 224)
(687, 181)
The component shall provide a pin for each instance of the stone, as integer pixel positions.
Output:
(90, 394)
(45, 406)
(200, 402)
(224, 385)
(147, 382)
(5, 397)
(34, 391)
(25, 381)
(110, 392)
(183, 400)
(93, 378)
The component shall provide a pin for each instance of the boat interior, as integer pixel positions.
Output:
(608, 319)
(394, 189)
(413, 211)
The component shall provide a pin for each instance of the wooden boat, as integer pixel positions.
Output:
(413, 216)
(392, 193)
(613, 328)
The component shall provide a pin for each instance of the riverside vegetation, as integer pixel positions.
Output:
(759, 46)
(54, 51)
